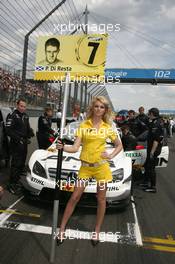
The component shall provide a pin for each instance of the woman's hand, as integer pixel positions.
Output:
(59, 145)
(67, 148)
(106, 155)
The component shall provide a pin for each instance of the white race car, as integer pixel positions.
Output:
(41, 176)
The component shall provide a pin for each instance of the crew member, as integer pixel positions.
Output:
(132, 123)
(143, 120)
(45, 130)
(129, 141)
(19, 130)
(154, 145)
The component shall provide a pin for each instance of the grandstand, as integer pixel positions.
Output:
(13, 31)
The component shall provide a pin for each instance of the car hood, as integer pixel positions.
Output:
(48, 159)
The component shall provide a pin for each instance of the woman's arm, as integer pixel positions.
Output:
(118, 147)
(70, 148)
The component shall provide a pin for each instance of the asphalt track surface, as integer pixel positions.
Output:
(142, 233)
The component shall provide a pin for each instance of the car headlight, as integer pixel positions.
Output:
(118, 175)
(39, 170)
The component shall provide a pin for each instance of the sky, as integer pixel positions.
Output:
(146, 39)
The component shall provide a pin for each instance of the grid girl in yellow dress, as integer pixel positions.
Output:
(92, 135)
(93, 145)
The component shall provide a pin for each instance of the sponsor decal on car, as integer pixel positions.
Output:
(112, 188)
(37, 181)
(133, 154)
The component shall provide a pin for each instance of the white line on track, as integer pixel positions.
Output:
(137, 228)
(70, 233)
(4, 216)
(133, 237)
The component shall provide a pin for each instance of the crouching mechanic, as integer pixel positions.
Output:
(129, 141)
(19, 130)
(92, 135)
(45, 130)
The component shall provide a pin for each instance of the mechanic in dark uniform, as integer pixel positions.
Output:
(129, 141)
(143, 120)
(154, 145)
(45, 130)
(132, 123)
(19, 131)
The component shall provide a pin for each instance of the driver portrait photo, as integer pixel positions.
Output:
(52, 49)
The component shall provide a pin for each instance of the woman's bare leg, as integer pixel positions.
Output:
(101, 207)
(75, 197)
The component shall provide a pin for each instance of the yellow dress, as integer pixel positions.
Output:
(93, 144)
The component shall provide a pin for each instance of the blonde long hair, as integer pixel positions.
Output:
(107, 117)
